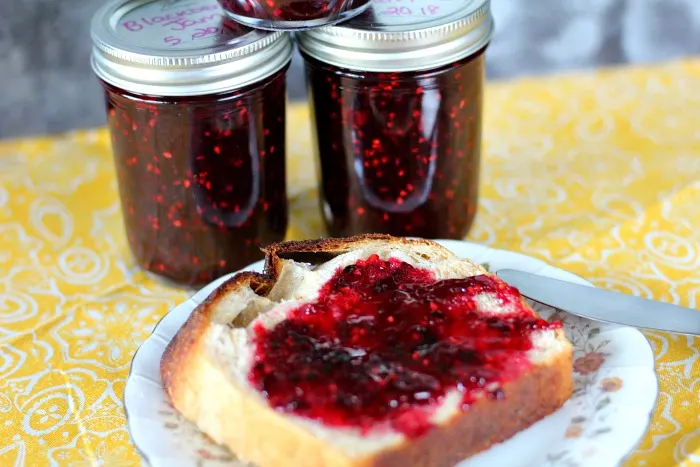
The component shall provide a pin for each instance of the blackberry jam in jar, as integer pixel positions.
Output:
(292, 14)
(396, 98)
(196, 112)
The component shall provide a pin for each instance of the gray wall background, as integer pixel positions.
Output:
(46, 85)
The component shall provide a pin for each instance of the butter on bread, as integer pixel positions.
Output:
(206, 366)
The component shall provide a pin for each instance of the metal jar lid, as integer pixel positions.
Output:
(181, 48)
(395, 35)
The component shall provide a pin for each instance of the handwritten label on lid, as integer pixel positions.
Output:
(178, 24)
(414, 12)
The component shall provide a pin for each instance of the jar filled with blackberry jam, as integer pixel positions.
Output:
(292, 14)
(196, 111)
(396, 98)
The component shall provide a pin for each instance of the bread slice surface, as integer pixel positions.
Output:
(205, 368)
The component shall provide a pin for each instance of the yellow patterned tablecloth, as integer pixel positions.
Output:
(595, 173)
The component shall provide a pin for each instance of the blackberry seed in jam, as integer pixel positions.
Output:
(396, 98)
(292, 14)
(384, 342)
(196, 110)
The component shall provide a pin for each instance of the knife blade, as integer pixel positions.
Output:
(604, 305)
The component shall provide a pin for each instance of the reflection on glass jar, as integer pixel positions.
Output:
(399, 152)
(292, 14)
(202, 179)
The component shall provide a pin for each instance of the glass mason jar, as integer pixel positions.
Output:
(396, 98)
(196, 111)
(292, 14)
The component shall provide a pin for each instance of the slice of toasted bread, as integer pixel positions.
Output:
(205, 369)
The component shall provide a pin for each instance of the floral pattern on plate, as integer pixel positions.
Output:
(615, 388)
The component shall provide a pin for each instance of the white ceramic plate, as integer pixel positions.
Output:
(614, 394)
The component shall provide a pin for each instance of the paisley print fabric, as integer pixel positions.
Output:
(597, 173)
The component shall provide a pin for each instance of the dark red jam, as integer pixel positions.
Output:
(385, 342)
(201, 179)
(285, 14)
(399, 152)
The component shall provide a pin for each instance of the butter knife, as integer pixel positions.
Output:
(604, 305)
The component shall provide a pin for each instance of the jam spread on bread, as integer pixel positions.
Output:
(385, 342)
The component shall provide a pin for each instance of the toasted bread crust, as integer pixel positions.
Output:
(183, 347)
(529, 398)
(202, 393)
(324, 249)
